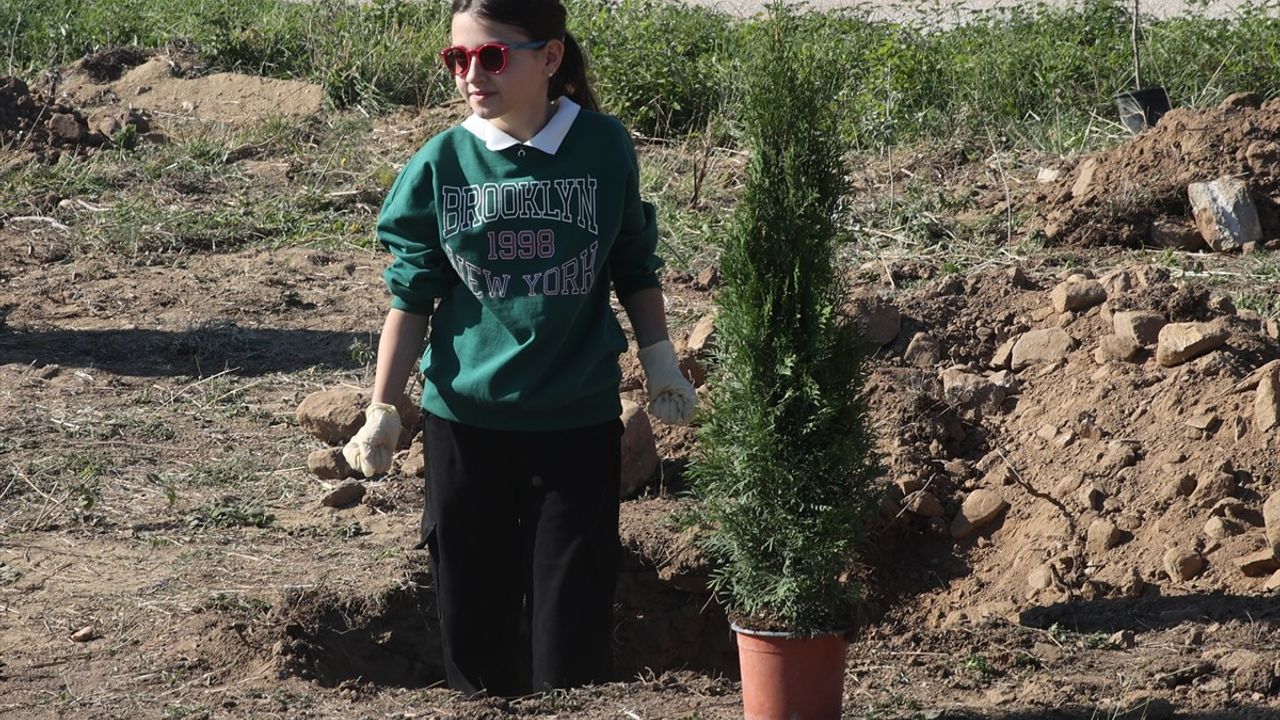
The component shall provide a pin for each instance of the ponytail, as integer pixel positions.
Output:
(570, 79)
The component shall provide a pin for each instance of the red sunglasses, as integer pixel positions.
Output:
(491, 56)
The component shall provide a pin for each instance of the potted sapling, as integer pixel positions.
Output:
(785, 471)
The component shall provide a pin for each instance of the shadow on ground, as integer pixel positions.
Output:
(1154, 613)
(198, 351)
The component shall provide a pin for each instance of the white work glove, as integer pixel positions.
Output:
(369, 452)
(671, 396)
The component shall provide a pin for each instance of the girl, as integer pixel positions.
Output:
(510, 230)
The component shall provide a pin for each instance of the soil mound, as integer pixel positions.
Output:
(1043, 456)
(164, 84)
(1136, 194)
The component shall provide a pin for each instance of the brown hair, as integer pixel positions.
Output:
(541, 20)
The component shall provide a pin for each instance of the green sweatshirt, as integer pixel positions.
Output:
(521, 243)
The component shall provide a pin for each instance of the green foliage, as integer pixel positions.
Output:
(1032, 73)
(785, 466)
(658, 65)
(230, 512)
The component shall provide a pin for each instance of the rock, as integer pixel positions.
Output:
(979, 508)
(1271, 518)
(1102, 536)
(1250, 382)
(1046, 175)
(879, 320)
(1124, 640)
(1213, 488)
(708, 279)
(1003, 358)
(702, 338)
(1182, 565)
(1141, 706)
(66, 128)
(923, 351)
(344, 495)
(1132, 585)
(332, 416)
(1181, 484)
(1018, 277)
(968, 390)
(1225, 214)
(1241, 101)
(908, 484)
(1091, 497)
(924, 504)
(1115, 348)
(1041, 578)
(639, 451)
(107, 121)
(1142, 327)
(1180, 342)
(1258, 564)
(1041, 346)
(1266, 402)
(329, 464)
(1084, 178)
(1119, 281)
(1220, 528)
(1176, 236)
(1079, 295)
(1273, 583)
(84, 634)
(414, 462)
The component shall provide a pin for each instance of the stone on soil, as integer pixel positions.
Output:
(1180, 342)
(924, 504)
(1271, 518)
(923, 351)
(414, 462)
(1225, 214)
(979, 508)
(329, 464)
(1258, 564)
(1140, 326)
(84, 634)
(1102, 536)
(344, 495)
(332, 416)
(702, 337)
(1041, 346)
(1182, 565)
(1212, 488)
(966, 389)
(1266, 403)
(639, 450)
(1115, 348)
(1074, 296)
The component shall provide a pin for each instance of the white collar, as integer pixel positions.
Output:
(547, 140)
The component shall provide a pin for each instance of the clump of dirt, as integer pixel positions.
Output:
(1081, 469)
(1116, 196)
(31, 124)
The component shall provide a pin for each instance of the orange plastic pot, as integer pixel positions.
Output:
(786, 677)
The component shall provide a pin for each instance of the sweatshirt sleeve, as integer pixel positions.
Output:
(407, 226)
(633, 261)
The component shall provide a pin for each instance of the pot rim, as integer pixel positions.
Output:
(785, 635)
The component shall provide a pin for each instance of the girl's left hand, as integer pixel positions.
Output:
(671, 396)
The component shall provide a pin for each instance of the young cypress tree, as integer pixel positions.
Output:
(785, 468)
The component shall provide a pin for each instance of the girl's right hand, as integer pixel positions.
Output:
(370, 451)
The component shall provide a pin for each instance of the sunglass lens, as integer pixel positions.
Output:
(493, 58)
(456, 60)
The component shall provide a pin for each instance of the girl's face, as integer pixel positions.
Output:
(517, 94)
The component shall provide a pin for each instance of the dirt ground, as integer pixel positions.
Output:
(164, 551)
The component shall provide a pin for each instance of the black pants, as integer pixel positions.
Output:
(522, 528)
